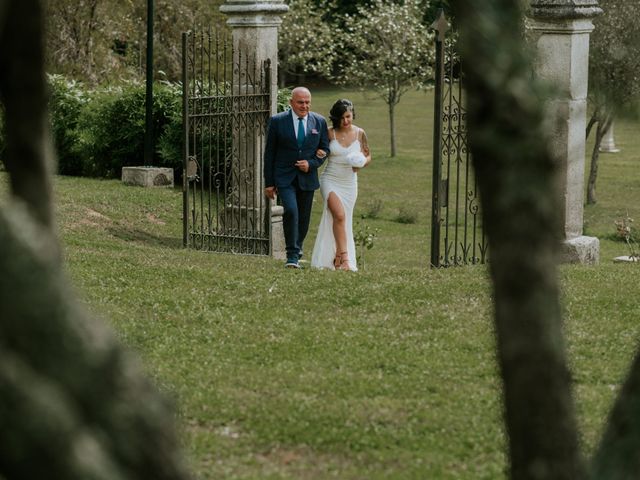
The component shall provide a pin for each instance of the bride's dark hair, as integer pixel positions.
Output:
(338, 109)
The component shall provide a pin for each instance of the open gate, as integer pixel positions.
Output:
(457, 234)
(226, 107)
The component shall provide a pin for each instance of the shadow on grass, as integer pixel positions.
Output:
(137, 235)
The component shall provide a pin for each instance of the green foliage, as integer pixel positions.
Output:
(388, 48)
(364, 237)
(100, 40)
(298, 50)
(372, 209)
(112, 128)
(284, 95)
(406, 216)
(67, 98)
(624, 232)
(614, 58)
(434, 6)
(97, 131)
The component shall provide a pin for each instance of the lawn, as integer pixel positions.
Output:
(387, 373)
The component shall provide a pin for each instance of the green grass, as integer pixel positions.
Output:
(385, 374)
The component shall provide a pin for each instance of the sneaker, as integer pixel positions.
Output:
(292, 263)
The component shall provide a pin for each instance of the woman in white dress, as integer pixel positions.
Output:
(349, 152)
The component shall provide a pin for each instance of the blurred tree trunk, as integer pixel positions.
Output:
(28, 157)
(515, 174)
(602, 121)
(73, 402)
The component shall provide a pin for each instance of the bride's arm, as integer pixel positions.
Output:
(364, 147)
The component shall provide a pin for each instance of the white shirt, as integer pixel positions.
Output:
(295, 122)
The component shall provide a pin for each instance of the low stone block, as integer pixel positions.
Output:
(147, 176)
(583, 249)
(626, 259)
(278, 247)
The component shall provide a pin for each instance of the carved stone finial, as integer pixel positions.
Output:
(564, 9)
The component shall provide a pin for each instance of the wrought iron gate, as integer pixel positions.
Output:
(226, 107)
(457, 234)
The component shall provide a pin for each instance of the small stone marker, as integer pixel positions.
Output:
(625, 259)
(147, 176)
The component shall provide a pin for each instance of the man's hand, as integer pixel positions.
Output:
(303, 165)
(270, 192)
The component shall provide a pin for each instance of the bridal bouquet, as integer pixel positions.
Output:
(356, 159)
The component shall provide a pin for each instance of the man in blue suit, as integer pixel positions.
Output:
(291, 166)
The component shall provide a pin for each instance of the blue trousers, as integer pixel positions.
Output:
(297, 206)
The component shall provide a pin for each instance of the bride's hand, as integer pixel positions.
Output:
(321, 153)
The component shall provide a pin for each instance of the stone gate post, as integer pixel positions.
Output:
(254, 25)
(561, 29)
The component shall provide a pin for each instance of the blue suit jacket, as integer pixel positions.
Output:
(282, 152)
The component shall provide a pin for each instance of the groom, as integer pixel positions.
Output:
(291, 166)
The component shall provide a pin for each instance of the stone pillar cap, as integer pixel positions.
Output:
(564, 9)
(251, 13)
(253, 7)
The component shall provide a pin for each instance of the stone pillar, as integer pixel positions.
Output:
(608, 144)
(560, 29)
(254, 26)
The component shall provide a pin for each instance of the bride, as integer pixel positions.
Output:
(349, 152)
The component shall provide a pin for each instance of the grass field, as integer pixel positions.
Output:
(384, 374)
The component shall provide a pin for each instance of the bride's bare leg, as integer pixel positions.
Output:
(339, 230)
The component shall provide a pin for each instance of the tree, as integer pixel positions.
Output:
(73, 401)
(104, 40)
(614, 73)
(84, 38)
(516, 175)
(386, 47)
(299, 50)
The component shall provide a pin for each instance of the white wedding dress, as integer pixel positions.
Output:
(338, 177)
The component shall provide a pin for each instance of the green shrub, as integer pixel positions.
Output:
(373, 209)
(67, 98)
(112, 127)
(97, 132)
(284, 95)
(170, 139)
(406, 216)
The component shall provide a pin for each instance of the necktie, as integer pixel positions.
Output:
(300, 132)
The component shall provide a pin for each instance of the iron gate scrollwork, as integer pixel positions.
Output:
(457, 234)
(226, 107)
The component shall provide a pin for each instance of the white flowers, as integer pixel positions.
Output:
(356, 159)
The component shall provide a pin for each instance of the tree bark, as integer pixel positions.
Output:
(70, 395)
(602, 125)
(392, 127)
(515, 174)
(73, 402)
(617, 456)
(28, 157)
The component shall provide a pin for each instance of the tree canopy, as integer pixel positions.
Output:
(386, 47)
(614, 73)
(105, 40)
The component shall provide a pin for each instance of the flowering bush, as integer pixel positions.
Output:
(623, 231)
(364, 238)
